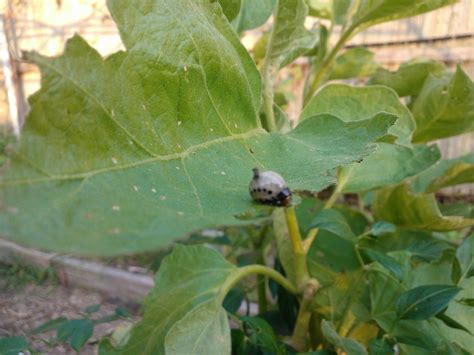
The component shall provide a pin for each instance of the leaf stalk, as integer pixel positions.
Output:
(301, 270)
(245, 271)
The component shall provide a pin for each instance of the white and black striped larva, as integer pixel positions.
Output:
(269, 188)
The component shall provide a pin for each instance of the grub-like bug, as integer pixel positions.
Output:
(269, 188)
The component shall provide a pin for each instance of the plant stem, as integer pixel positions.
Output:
(267, 77)
(301, 271)
(327, 63)
(261, 286)
(299, 339)
(245, 271)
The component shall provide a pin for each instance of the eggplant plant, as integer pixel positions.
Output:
(142, 149)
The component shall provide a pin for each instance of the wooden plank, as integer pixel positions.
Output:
(110, 281)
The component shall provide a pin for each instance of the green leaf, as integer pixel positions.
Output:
(204, 330)
(76, 332)
(446, 172)
(253, 14)
(408, 80)
(353, 63)
(351, 103)
(233, 300)
(371, 12)
(350, 346)
(451, 322)
(288, 37)
(342, 11)
(403, 208)
(444, 107)
(184, 300)
(424, 302)
(390, 164)
(335, 243)
(49, 325)
(230, 8)
(381, 227)
(332, 221)
(380, 347)
(386, 261)
(384, 292)
(116, 157)
(13, 345)
(262, 335)
(418, 243)
(320, 8)
(464, 261)
(345, 301)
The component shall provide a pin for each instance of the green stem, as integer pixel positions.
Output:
(327, 63)
(245, 271)
(301, 271)
(261, 287)
(299, 339)
(267, 77)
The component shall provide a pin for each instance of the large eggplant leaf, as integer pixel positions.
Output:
(351, 103)
(372, 12)
(446, 172)
(182, 314)
(391, 205)
(353, 63)
(409, 78)
(132, 152)
(444, 107)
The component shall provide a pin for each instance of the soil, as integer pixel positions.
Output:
(25, 306)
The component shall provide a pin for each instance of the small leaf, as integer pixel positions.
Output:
(423, 302)
(467, 301)
(350, 346)
(261, 334)
(204, 330)
(353, 103)
(444, 107)
(333, 221)
(372, 12)
(451, 322)
(230, 8)
(403, 208)
(49, 325)
(289, 38)
(390, 164)
(464, 260)
(76, 332)
(13, 345)
(381, 227)
(386, 261)
(353, 63)
(253, 14)
(409, 78)
(233, 300)
(92, 309)
(380, 347)
(444, 173)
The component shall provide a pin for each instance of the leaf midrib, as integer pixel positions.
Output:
(417, 302)
(175, 156)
